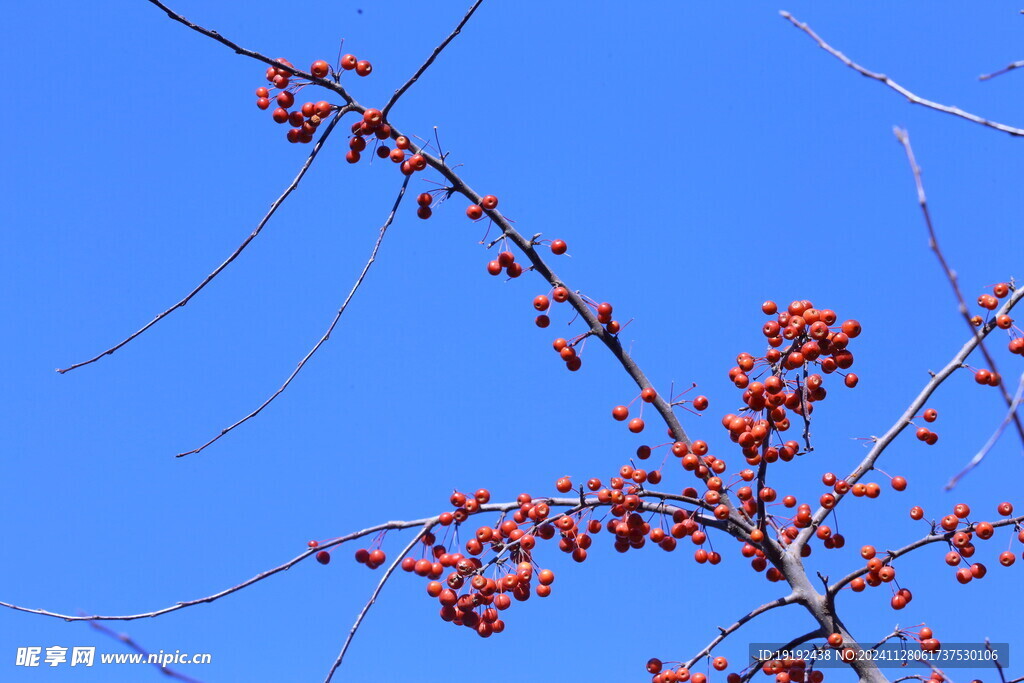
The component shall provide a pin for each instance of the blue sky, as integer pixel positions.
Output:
(698, 159)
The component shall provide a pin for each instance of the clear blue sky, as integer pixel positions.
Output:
(698, 158)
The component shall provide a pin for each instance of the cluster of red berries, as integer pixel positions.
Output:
(814, 342)
(681, 674)
(307, 118)
(476, 211)
(786, 670)
(566, 348)
(506, 261)
(990, 302)
(372, 125)
(484, 598)
(961, 543)
(925, 434)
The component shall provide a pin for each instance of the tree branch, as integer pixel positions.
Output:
(933, 242)
(726, 632)
(659, 506)
(882, 78)
(927, 540)
(999, 72)
(127, 640)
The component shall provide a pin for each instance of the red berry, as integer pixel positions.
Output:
(363, 68)
(424, 212)
(489, 202)
(636, 425)
(348, 62)
(558, 247)
(323, 557)
(474, 212)
(320, 68)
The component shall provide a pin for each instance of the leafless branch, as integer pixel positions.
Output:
(882, 78)
(430, 60)
(999, 666)
(726, 632)
(999, 72)
(127, 640)
(259, 227)
(326, 335)
(933, 242)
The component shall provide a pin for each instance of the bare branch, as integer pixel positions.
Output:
(999, 72)
(259, 227)
(726, 632)
(127, 640)
(999, 666)
(373, 598)
(933, 242)
(326, 335)
(882, 78)
(430, 60)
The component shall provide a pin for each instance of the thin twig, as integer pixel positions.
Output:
(998, 665)
(799, 640)
(430, 60)
(127, 640)
(326, 335)
(259, 227)
(373, 598)
(1006, 69)
(980, 455)
(726, 632)
(882, 78)
(933, 242)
